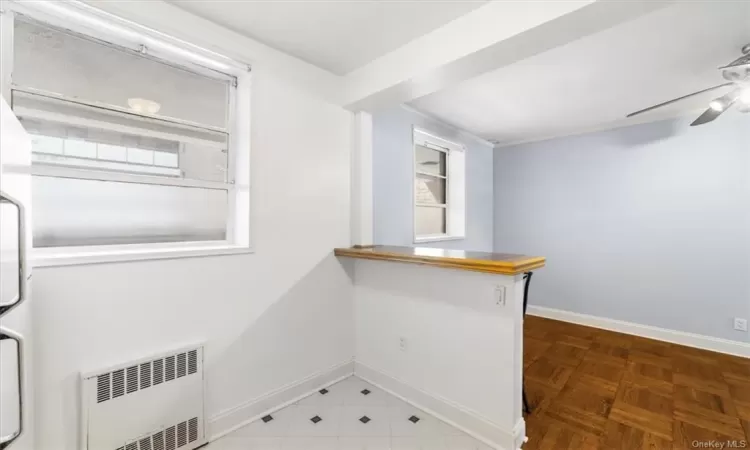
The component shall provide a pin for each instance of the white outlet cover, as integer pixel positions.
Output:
(500, 295)
(740, 324)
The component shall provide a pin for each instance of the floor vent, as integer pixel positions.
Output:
(150, 404)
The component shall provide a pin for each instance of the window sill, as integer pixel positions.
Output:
(58, 257)
(425, 239)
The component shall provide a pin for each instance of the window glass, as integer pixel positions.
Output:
(429, 190)
(71, 212)
(429, 160)
(430, 220)
(81, 135)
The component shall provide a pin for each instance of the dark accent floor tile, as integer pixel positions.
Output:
(364, 419)
(365, 392)
(413, 419)
(316, 419)
(323, 391)
(267, 418)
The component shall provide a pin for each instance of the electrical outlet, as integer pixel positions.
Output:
(500, 295)
(402, 344)
(740, 324)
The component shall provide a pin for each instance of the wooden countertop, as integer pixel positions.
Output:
(500, 263)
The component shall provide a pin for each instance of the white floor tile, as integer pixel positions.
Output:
(350, 423)
(309, 443)
(233, 442)
(263, 443)
(340, 409)
(364, 443)
(401, 425)
(334, 397)
(277, 427)
(356, 397)
(417, 443)
(395, 401)
(464, 443)
(302, 425)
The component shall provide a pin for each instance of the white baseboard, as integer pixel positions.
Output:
(677, 337)
(237, 417)
(466, 421)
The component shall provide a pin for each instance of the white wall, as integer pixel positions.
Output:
(462, 348)
(269, 318)
(647, 224)
(392, 172)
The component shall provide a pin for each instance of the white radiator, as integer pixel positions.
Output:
(154, 403)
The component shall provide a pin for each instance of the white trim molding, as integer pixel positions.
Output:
(676, 337)
(235, 418)
(460, 131)
(453, 414)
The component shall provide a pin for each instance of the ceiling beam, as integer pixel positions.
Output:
(488, 38)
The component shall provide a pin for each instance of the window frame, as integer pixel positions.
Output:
(455, 186)
(237, 184)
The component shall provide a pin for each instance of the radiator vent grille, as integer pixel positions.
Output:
(119, 382)
(132, 382)
(176, 436)
(192, 429)
(171, 439)
(158, 439)
(145, 375)
(181, 434)
(158, 371)
(192, 361)
(169, 364)
(181, 365)
(102, 388)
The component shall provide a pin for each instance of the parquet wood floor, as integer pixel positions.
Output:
(597, 389)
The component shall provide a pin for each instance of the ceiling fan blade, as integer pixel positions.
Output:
(678, 99)
(707, 116)
(743, 60)
(711, 114)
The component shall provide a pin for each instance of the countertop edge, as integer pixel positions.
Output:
(476, 265)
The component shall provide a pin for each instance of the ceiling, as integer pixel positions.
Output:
(336, 35)
(592, 83)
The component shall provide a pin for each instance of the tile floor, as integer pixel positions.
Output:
(354, 415)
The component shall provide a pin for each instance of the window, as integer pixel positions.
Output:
(439, 188)
(131, 146)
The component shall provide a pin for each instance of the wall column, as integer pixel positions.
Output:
(361, 179)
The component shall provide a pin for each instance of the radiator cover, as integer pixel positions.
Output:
(153, 403)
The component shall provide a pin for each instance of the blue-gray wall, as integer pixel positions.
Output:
(647, 224)
(393, 163)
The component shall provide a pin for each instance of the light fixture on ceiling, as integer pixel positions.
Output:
(717, 105)
(143, 105)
